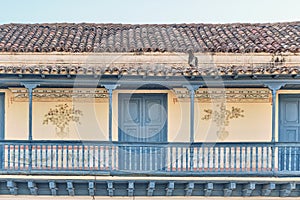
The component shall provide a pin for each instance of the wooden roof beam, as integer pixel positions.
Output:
(170, 188)
(151, 188)
(189, 189)
(267, 189)
(32, 187)
(229, 188)
(110, 188)
(53, 188)
(248, 189)
(91, 188)
(287, 189)
(12, 186)
(70, 188)
(130, 188)
(209, 187)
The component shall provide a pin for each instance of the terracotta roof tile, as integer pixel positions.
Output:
(69, 37)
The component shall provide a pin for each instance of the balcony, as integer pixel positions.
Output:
(163, 159)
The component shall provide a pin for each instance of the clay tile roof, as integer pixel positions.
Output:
(86, 37)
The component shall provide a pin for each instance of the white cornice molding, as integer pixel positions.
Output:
(145, 58)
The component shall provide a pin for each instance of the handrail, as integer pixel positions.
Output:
(207, 158)
(146, 143)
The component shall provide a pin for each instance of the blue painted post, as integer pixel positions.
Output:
(19, 156)
(214, 158)
(273, 127)
(82, 156)
(41, 156)
(290, 158)
(56, 157)
(89, 157)
(295, 168)
(110, 115)
(73, 155)
(176, 156)
(14, 157)
(251, 158)
(225, 154)
(62, 157)
(203, 156)
(256, 159)
(110, 127)
(35, 156)
(187, 158)
(8, 156)
(273, 113)
(208, 157)
(110, 88)
(192, 89)
(51, 156)
(30, 90)
(219, 158)
(46, 159)
(274, 87)
(192, 115)
(98, 151)
(30, 87)
(181, 159)
(198, 158)
(229, 159)
(94, 155)
(235, 158)
(267, 162)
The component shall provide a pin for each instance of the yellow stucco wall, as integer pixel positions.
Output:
(93, 124)
(254, 126)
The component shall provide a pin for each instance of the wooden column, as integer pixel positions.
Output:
(110, 88)
(192, 89)
(274, 87)
(30, 87)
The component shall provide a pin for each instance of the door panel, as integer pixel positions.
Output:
(289, 126)
(291, 112)
(130, 114)
(289, 118)
(132, 111)
(142, 118)
(289, 134)
(155, 120)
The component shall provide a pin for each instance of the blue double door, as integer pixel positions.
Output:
(142, 123)
(289, 132)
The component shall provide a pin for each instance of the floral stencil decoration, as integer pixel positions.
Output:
(221, 117)
(61, 116)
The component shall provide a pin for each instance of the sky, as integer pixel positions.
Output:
(149, 12)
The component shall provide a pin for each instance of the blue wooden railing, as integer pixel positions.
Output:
(87, 157)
